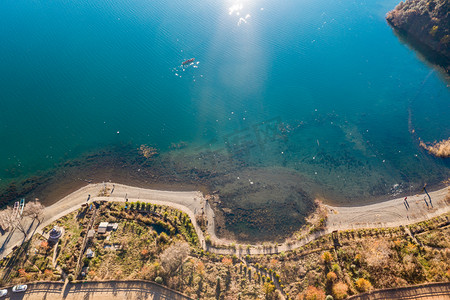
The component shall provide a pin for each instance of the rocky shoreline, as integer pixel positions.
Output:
(425, 26)
(251, 212)
(253, 203)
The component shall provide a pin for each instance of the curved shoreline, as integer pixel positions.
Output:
(391, 213)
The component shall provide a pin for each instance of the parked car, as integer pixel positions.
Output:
(3, 293)
(19, 288)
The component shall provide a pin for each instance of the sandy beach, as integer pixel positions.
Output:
(389, 213)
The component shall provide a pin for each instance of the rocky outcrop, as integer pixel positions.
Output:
(425, 22)
(438, 149)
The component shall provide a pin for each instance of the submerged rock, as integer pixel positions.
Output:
(426, 23)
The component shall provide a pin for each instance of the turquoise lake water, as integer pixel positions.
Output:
(76, 76)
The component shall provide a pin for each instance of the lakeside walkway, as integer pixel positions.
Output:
(390, 213)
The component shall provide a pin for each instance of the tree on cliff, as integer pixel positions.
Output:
(426, 22)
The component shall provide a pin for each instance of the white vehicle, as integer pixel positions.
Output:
(3, 293)
(19, 288)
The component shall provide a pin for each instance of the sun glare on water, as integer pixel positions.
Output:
(235, 8)
(241, 11)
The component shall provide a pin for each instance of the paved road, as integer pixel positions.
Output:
(390, 213)
(431, 291)
(142, 290)
(111, 290)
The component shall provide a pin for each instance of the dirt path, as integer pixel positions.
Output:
(390, 213)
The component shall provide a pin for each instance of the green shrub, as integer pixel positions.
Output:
(335, 268)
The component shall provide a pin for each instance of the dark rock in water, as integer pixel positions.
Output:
(262, 204)
(425, 24)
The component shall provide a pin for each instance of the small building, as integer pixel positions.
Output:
(91, 234)
(102, 227)
(112, 226)
(90, 253)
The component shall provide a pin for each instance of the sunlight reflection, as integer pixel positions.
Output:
(243, 20)
(236, 63)
(237, 10)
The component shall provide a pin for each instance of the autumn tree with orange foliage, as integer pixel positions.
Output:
(48, 273)
(340, 290)
(22, 272)
(144, 253)
(44, 246)
(200, 268)
(312, 293)
(331, 276)
(228, 262)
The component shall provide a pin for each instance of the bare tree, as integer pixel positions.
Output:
(173, 257)
(34, 210)
(7, 218)
(20, 224)
(11, 219)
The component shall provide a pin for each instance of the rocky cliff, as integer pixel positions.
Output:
(427, 24)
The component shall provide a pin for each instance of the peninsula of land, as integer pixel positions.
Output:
(426, 24)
